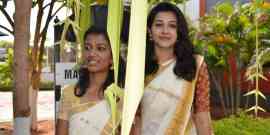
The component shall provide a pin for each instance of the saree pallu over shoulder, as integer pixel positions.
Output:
(167, 103)
(85, 117)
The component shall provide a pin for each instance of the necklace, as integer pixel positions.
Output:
(167, 62)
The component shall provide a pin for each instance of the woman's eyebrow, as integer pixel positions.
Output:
(159, 20)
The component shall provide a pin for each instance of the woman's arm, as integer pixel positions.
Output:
(136, 126)
(201, 114)
(62, 127)
(203, 124)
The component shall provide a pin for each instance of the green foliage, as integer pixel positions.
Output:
(242, 125)
(255, 71)
(5, 44)
(238, 32)
(173, 1)
(230, 29)
(6, 76)
(46, 85)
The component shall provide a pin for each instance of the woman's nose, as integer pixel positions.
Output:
(165, 29)
(91, 54)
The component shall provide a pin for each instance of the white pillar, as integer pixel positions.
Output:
(22, 126)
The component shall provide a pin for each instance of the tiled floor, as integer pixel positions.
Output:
(45, 106)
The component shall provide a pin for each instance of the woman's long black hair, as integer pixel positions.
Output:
(185, 62)
(83, 82)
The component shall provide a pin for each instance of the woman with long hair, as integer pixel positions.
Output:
(176, 96)
(83, 108)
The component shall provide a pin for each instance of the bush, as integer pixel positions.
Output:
(44, 85)
(242, 125)
(6, 76)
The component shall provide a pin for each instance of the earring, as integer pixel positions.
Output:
(111, 67)
(150, 37)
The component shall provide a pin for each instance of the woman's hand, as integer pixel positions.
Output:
(61, 127)
(203, 123)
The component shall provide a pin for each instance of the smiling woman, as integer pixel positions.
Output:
(176, 96)
(83, 108)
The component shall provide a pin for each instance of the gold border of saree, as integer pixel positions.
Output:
(180, 121)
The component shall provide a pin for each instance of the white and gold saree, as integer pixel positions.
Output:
(91, 118)
(167, 104)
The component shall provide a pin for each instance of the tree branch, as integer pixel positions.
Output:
(37, 34)
(52, 16)
(46, 5)
(8, 30)
(11, 22)
(48, 19)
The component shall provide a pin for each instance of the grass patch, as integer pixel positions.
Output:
(242, 125)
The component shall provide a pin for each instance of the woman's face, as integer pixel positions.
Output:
(164, 30)
(97, 53)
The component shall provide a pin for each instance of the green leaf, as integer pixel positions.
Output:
(212, 50)
(115, 15)
(85, 21)
(226, 8)
(221, 63)
(112, 93)
(258, 3)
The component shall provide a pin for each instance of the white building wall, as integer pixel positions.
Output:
(192, 10)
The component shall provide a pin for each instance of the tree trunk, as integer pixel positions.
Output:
(37, 58)
(217, 82)
(33, 96)
(238, 85)
(21, 64)
(231, 90)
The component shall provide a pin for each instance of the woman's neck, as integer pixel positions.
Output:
(164, 54)
(97, 79)
(96, 82)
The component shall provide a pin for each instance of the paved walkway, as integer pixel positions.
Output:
(45, 106)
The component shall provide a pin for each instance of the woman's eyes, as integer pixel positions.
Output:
(158, 24)
(99, 48)
(170, 25)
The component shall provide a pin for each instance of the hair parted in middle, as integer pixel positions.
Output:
(185, 66)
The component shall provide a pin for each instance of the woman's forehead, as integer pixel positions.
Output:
(96, 38)
(165, 15)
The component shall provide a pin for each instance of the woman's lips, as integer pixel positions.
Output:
(91, 62)
(164, 38)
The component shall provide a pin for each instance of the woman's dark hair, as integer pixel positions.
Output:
(83, 82)
(185, 62)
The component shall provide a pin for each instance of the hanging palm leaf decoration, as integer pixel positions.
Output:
(114, 23)
(85, 18)
(135, 62)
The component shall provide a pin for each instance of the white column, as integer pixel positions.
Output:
(192, 10)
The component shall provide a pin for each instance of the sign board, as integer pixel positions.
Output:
(65, 74)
